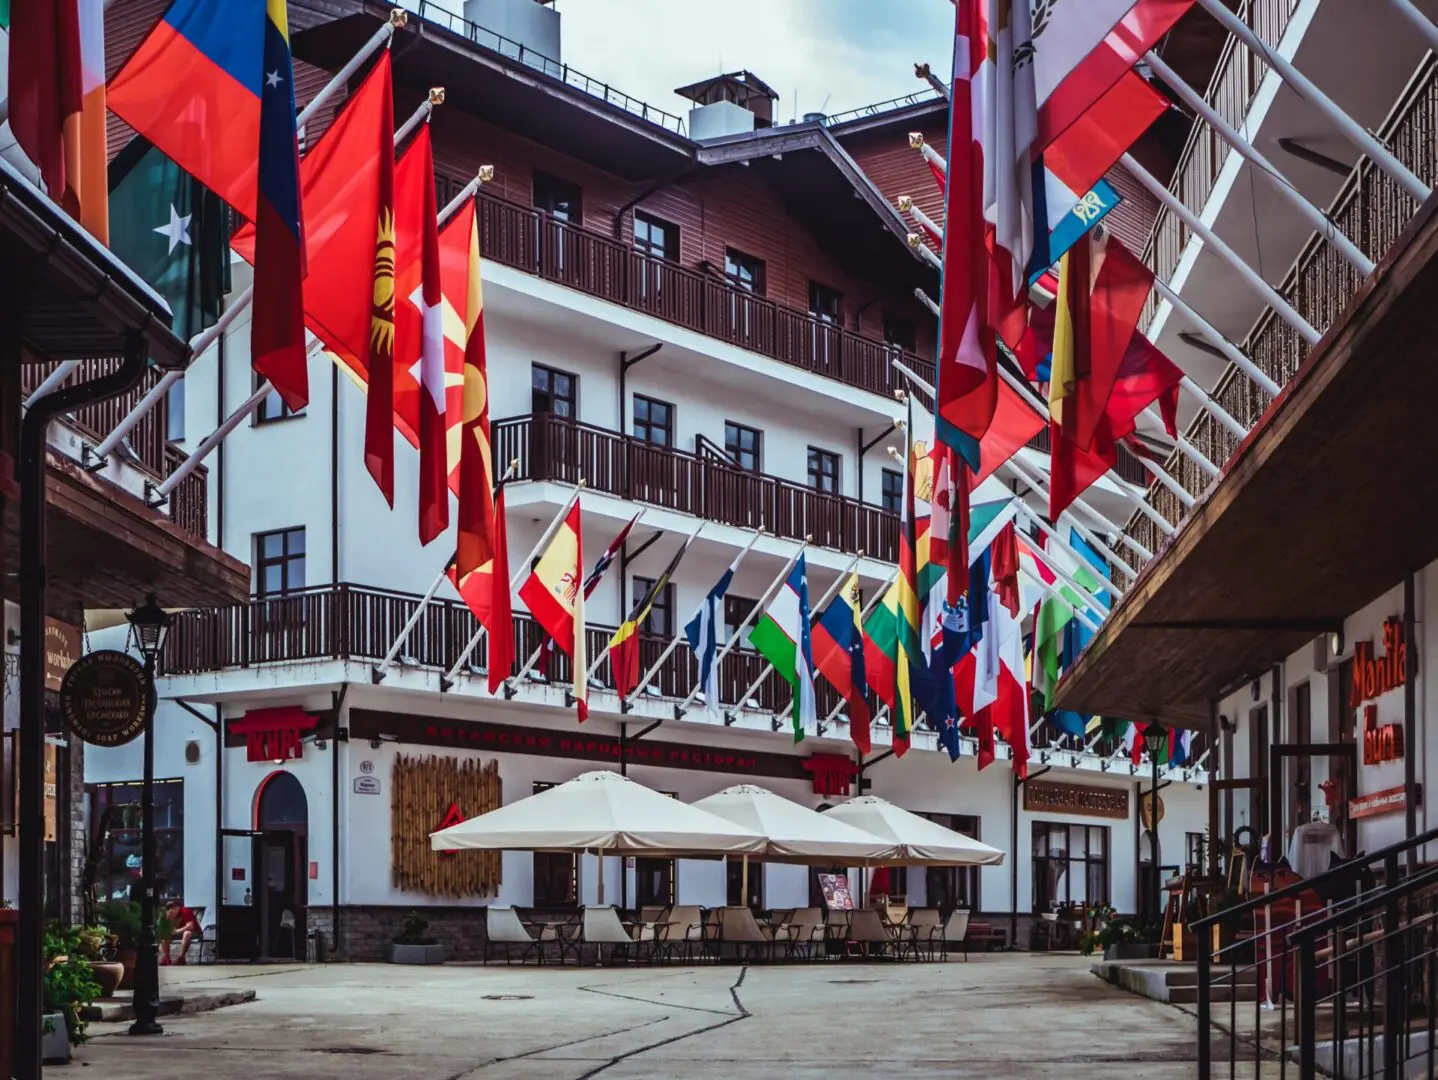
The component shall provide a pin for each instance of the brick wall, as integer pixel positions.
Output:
(364, 931)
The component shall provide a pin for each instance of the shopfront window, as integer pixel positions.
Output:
(950, 887)
(734, 883)
(115, 810)
(1070, 865)
(554, 871)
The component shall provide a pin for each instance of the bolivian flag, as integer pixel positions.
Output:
(554, 597)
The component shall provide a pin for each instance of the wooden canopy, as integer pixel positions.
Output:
(1326, 504)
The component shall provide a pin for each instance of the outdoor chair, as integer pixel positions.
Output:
(955, 931)
(868, 936)
(713, 926)
(925, 925)
(806, 931)
(602, 927)
(682, 932)
(504, 930)
(836, 928)
(739, 929)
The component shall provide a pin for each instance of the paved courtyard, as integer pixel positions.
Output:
(1012, 1016)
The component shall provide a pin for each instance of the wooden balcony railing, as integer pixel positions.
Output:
(601, 266)
(189, 507)
(553, 448)
(1372, 210)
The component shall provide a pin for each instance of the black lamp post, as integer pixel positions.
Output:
(1155, 737)
(148, 626)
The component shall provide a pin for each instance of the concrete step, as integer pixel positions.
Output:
(191, 1000)
(1188, 995)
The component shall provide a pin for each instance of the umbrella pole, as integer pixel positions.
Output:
(744, 883)
(601, 877)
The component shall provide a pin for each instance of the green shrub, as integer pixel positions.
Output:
(69, 981)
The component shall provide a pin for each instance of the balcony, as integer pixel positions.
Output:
(553, 448)
(608, 269)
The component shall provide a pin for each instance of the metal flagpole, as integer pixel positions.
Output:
(250, 404)
(1086, 598)
(823, 601)
(377, 671)
(674, 644)
(1355, 132)
(1271, 296)
(1020, 471)
(95, 460)
(604, 654)
(1236, 356)
(863, 613)
(1320, 221)
(739, 630)
(518, 576)
(1419, 21)
(1048, 530)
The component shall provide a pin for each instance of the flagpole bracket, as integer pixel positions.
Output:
(679, 712)
(91, 461)
(509, 690)
(569, 699)
(625, 706)
(774, 723)
(446, 684)
(376, 674)
(729, 718)
(154, 499)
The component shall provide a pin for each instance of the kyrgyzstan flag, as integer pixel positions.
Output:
(485, 592)
(419, 327)
(554, 596)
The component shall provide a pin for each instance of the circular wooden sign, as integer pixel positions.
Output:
(1145, 810)
(105, 697)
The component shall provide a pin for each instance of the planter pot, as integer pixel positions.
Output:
(396, 953)
(109, 976)
(1130, 950)
(56, 1047)
(127, 959)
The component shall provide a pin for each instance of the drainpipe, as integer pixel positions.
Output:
(1014, 865)
(219, 452)
(1410, 715)
(335, 474)
(1278, 766)
(339, 704)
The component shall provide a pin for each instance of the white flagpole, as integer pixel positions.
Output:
(824, 600)
(252, 403)
(739, 630)
(674, 644)
(1420, 21)
(1019, 470)
(863, 614)
(1044, 527)
(1355, 132)
(518, 576)
(1086, 598)
(95, 459)
(1236, 356)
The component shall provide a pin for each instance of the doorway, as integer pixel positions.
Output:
(281, 866)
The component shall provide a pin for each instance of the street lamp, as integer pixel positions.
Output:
(149, 625)
(1155, 737)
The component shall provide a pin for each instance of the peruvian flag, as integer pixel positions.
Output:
(419, 325)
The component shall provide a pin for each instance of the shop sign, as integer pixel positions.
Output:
(62, 649)
(1380, 743)
(105, 696)
(51, 788)
(1145, 810)
(453, 816)
(833, 773)
(1374, 676)
(1045, 796)
(367, 785)
(513, 739)
(274, 734)
(1387, 801)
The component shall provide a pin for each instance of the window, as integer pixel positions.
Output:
(115, 809)
(950, 887)
(656, 237)
(899, 331)
(823, 471)
(825, 304)
(1195, 853)
(279, 562)
(734, 883)
(554, 871)
(272, 407)
(742, 445)
(660, 620)
(653, 421)
(891, 494)
(744, 271)
(558, 198)
(653, 882)
(1070, 865)
(553, 392)
(736, 610)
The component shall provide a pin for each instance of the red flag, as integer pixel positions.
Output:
(419, 325)
(1005, 568)
(476, 514)
(1103, 134)
(1015, 423)
(1072, 470)
(379, 402)
(47, 90)
(485, 592)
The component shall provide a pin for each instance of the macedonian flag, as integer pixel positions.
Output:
(474, 544)
(554, 594)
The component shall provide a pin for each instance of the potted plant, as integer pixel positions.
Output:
(414, 945)
(1122, 939)
(69, 986)
(121, 919)
(96, 948)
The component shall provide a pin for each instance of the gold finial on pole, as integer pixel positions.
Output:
(914, 240)
(398, 17)
(485, 174)
(905, 203)
(916, 140)
(436, 95)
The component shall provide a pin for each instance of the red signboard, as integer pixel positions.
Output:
(833, 773)
(1387, 801)
(1380, 743)
(1374, 676)
(273, 734)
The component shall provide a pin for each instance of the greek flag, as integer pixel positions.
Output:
(702, 634)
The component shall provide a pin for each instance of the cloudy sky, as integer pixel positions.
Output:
(824, 55)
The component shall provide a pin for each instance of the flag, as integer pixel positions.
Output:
(419, 325)
(555, 598)
(624, 645)
(469, 442)
(1014, 424)
(1010, 709)
(172, 232)
(909, 628)
(1005, 554)
(1077, 159)
(1100, 569)
(702, 634)
(46, 93)
(1180, 744)
(782, 636)
(379, 401)
(881, 646)
(602, 564)
(1133, 742)
(485, 590)
(838, 643)
(91, 149)
(967, 362)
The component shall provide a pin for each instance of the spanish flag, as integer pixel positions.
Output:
(555, 598)
(624, 645)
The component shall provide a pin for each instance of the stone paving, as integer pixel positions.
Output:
(1015, 1016)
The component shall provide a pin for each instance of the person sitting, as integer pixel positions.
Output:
(182, 922)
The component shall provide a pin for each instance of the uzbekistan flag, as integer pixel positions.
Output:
(554, 595)
(838, 642)
(782, 637)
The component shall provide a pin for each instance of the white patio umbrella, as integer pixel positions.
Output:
(602, 812)
(793, 832)
(919, 841)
